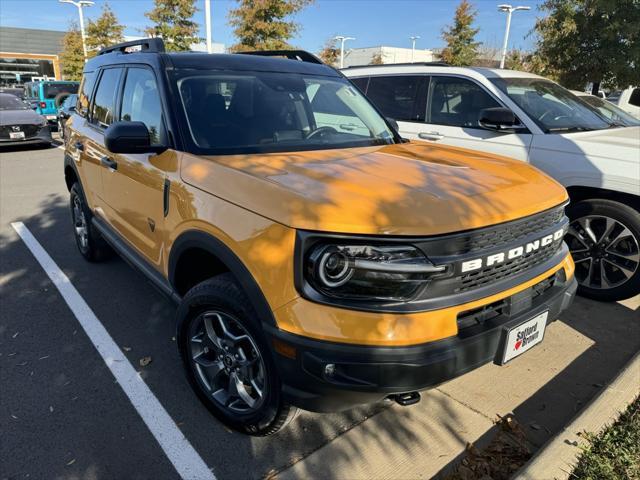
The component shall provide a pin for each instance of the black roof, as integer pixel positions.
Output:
(152, 53)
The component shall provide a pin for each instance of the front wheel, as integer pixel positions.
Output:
(227, 360)
(604, 239)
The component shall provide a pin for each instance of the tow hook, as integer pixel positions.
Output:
(406, 399)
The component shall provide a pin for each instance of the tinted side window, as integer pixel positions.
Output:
(457, 102)
(399, 97)
(141, 102)
(84, 95)
(635, 97)
(361, 83)
(104, 103)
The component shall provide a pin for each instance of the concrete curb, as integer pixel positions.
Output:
(556, 459)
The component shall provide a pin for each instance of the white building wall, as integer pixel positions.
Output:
(364, 56)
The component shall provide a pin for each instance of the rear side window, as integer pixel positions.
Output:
(402, 98)
(457, 102)
(84, 95)
(141, 102)
(361, 83)
(635, 97)
(104, 103)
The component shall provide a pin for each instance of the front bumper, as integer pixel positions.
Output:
(366, 374)
(42, 137)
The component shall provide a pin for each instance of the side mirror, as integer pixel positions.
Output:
(393, 123)
(130, 137)
(499, 119)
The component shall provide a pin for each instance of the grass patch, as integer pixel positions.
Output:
(614, 453)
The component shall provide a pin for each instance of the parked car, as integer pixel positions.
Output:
(628, 100)
(19, 124)
(15, 91)
(530, 118)
(314, 265)
(65, 110)
(608, 109)
(46, 96)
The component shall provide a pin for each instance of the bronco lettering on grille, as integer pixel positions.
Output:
(501, 257)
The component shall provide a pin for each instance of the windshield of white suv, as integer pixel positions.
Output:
(553, 108)
(611, 111)
(242, 112)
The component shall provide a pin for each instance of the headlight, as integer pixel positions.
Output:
(368, 272)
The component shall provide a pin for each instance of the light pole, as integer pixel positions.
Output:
(79, 5)
(342, 39)
(509, 10)
(413, 45)
(207, 14)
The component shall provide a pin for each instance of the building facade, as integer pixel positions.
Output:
(26, 53)
(384, 54)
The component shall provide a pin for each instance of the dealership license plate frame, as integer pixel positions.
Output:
(16, 135)
(510, 334)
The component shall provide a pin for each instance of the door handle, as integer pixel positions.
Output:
(435, 136)
(79, 145)
(109, 163)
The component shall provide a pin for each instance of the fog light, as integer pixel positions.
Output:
(330, 369)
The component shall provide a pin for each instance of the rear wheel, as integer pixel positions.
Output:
(89, 241)
(604, 238)
(227, 360)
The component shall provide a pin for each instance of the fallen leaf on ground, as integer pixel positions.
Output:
(71, 462)
(126, 349)
(144, 361)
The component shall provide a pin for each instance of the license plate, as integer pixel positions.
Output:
(51, 117)
(16, 135)
(524, 337)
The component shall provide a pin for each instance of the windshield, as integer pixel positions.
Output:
(553, 108)
(11, 102)
(51, 90)
(611, 111)
(241, 112)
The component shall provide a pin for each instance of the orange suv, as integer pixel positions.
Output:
(318, 259)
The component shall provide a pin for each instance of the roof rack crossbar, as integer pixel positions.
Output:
(155, 45)
(300, 55)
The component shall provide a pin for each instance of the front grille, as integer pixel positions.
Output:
(513, 231)
(29, 130)
(479, 278)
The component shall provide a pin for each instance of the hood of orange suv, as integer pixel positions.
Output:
(403, 189)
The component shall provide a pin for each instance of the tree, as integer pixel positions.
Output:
(72, 56)
(330, 53)
(261, 24)
(173, 24)
(516, 60)
(105, 31)
(461, 49)
(591, 41)
(376, 59)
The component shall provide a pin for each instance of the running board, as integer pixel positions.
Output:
(134, 259)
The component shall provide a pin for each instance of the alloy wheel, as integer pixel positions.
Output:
(80, 223)
(227, 362)
(605, 251)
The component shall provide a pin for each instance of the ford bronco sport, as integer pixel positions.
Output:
(318, 260)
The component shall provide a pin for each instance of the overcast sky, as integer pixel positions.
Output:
(372, 22)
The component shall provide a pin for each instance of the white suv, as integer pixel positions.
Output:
(533, 119)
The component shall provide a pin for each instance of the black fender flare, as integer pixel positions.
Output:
(69, 163)
(211, 244)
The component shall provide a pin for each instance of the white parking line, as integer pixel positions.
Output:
(177, 448)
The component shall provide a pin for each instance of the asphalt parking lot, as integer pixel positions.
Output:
(63, 415)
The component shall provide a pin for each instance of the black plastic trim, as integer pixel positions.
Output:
(198, 239)
(165, 196)
(135, 259)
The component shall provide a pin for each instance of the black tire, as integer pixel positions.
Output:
(93, 248)
(223, 295)
(59, 98)
(587, 254)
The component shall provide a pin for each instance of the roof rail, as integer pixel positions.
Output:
(406, 64)
(300, 55)
(151, 45)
